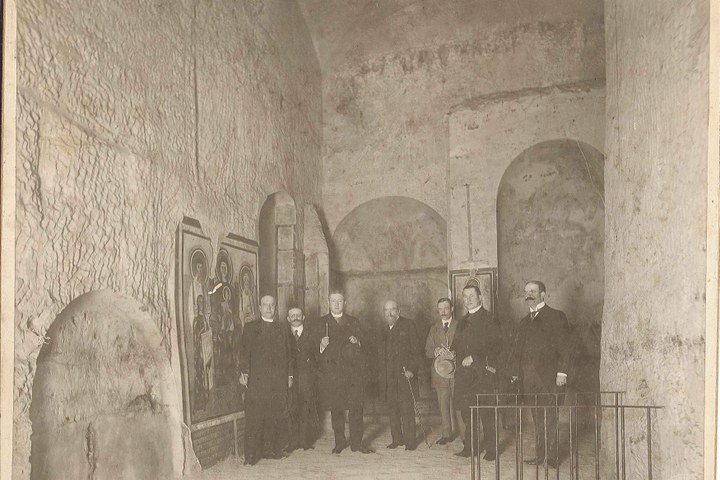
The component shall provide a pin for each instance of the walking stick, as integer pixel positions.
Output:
(417, 410)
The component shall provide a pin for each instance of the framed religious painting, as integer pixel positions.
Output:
(484, 278)
(216, 295)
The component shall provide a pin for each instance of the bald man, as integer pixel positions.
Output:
(399, 363)
(266, 369)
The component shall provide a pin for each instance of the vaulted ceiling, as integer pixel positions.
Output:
(345, 31)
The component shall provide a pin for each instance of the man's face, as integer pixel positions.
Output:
(445, 310)
(296, 317)
(471, 299)
(200, 270)
(267, 307)
(337, 303)
(392, 312)
(246, 282)
(533, 295)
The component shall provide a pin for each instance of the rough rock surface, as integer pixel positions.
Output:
(104, 404)
(392, 70)
(132, 114)
(653, 341)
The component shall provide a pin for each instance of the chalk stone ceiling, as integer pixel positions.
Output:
(346, 31)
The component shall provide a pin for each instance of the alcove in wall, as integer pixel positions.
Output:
(280, 256)
(104, 406)
(551, 217)
(392, 248)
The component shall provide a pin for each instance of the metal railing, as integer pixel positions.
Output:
(550, 407)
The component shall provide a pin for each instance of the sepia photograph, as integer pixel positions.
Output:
(359, 239)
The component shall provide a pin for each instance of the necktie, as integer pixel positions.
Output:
(446, 325)
(297, 335)
(533, 315)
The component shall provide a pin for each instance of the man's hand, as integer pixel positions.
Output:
(467, 361)
(438, 351)
(561, 379)
(514, 378)
(324, 343)
(243, 379)
(408, 374)
(353, 339)
(290, 381)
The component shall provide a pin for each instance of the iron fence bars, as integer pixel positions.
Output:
(552, 455)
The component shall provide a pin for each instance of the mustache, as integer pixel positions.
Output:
(529, 298)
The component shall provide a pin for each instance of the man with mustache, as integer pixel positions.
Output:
(541, 360)
(438, 342)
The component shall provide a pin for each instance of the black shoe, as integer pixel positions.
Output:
(552, 463)
(443, 440)
(275, 455)
(410, 448)
(339, 448)
(489, 456)
(308, 447)
(250, 461)
(465, 452)
(534, 461)
(362, 449)
(395, 444)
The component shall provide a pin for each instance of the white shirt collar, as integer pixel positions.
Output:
(336, 316)
(297, 329)
(475, 309)
(448, 321)
(539, 306)
(266, 320)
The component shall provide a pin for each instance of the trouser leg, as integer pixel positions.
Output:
(488, 422)
(254, 435)
(446, 412)
(395, 423)
(355, 418)
(408, 423)
(337, 418)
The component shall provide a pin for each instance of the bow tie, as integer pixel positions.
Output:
(446, 325)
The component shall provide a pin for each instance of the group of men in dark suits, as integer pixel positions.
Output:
(538, 363)
(294, 371)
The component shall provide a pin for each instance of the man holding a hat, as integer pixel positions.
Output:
(437, 347)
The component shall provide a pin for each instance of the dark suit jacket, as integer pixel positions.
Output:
(341, 372)
(477, 335)
(307, 352)
(267, 358)
(398, 348)
(542, 349)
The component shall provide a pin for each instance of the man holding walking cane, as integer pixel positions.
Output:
(400, 360)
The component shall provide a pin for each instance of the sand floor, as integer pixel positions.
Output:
(436, 462)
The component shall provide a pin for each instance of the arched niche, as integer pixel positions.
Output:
(280, 256)
(392, 248)
(103, 404)
(317, 264)
(551, 218)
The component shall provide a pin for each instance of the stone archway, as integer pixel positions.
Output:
(280, 256)
(551, 218)
(104, 406)
(392, 248)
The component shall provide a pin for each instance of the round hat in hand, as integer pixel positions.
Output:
(444, 366)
